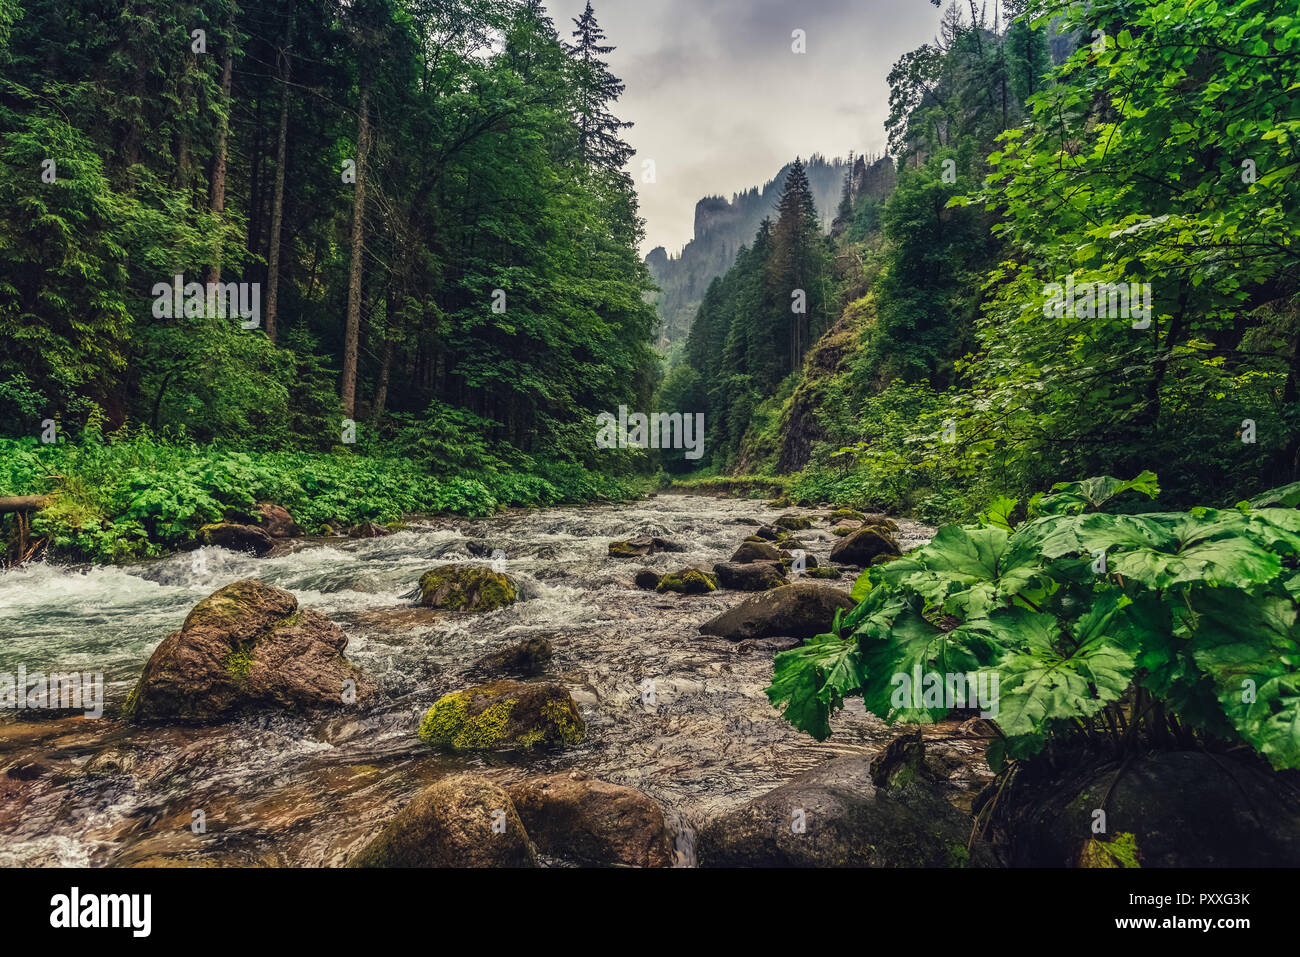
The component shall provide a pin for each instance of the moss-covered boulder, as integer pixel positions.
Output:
(837, 816)
(843, 515)
(1179, 809)
(465, 587)
(247, 647)
(880, 518)
(461, 821)
(751, 576)
(688, 581)
(793, 523)
(527, 657)
(236, 538)
(803, 609)
(755, 552)
(863, 546)
(827, 572)
(586, 821)
(502, 716)
(640, 547)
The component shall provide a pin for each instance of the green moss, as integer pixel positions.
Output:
(444, 719)
(485, 729)
(823, 571)
(466, 588)
(689, 581)
(238, 664)
(1120, 852)
(561, 719)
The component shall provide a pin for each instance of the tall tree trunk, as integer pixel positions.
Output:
(277, 197)
(223, 134)
(348, 388)
(381, 385)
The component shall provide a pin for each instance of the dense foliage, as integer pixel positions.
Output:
(1127, 630)
(1149, 143)
(427, 194)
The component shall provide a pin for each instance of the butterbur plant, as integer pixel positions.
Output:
(1185, 635)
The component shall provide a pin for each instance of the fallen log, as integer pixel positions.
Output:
(23, 503)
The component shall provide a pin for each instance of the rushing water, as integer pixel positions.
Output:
(291, 791)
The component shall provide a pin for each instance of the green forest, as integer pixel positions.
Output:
(428, 201)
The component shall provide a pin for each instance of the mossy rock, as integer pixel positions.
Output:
(824, 571)
(844, 515)
(463, 587)
(504, 715)
(688, 581)
(755, 552)
(782, 502)
(640, 547)
(793, 523)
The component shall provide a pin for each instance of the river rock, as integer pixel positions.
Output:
(504, 715)
(755, 552)
(848, 821)
(688, 581)
(767, 532)
(246, 647)
(236, 538)
(752, 576)
(645, 545)
(829, 572)
(450, 824)
(1166, 809)
(578, 818)
(793, 523)
(369, 530)
(276, 521)
(880, 518)
(646, 578)
(527, 657)
(464, 587)
(864, 546)
(799, 610)
(844, 514)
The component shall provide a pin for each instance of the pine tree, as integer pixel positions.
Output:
(794, 268)
(599, 142)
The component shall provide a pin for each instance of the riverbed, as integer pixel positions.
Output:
(277, 790)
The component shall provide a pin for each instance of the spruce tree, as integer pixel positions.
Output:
(599, 142)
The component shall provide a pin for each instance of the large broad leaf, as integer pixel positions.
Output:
(1071, 498)
(966, 571)
(1286, 496)
(1048, 676)
(1248, 646)
(1160, 550)
(813, 680)
(915, 656)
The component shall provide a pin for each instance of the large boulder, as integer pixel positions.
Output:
(688, 581)
(527, 657)
(247, 647)
(504, 715)
(1165, 809)
(578, 818)
(755, 552)
(803, 609)
(754, 576)
(276, 521)
(236, 538)
(865, 546)
(837, 816)
(793, 523)
(464, 587)
(646, 545)
(461, 821)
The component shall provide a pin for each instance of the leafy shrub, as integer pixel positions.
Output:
(1126, 630)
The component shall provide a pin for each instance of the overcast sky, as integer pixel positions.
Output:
(720, 101)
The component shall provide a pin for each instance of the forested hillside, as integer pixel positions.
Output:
(1083, 269)
(422, 213)
(721, 227)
